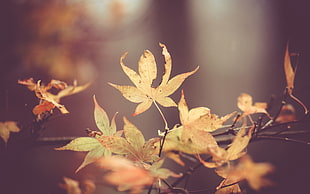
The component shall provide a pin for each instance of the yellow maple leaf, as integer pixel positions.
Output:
(133, 145)
(193, 136)
(198, 119)
(143, 92)
(235, 150)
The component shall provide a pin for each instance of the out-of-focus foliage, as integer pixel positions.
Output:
(132, 163)
(74, 187)
(245, 103)
(48, 101)
(6, 128)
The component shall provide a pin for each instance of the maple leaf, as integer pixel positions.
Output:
(6, 128)
(91, 144)
(290, 77)
(143, 92)
(133, 145)
(222, 188)
(128, 175)
(161, 173)
(125, 174)
(197, 120)
(245, 103)
(49, 101)
(247, 170)
(221, 156)
(193, 136)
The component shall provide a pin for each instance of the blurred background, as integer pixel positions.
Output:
(239, 46)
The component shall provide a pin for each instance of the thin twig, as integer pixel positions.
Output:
(162, 142)
(283, 139)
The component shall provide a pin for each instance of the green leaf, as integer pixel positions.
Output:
(102, 119)
(133, 135)
(81, 144)
(116, 144)
(93, 155)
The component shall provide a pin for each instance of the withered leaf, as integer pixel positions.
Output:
(48, 100)
(143, 92)
(289, 72)
(290, 77)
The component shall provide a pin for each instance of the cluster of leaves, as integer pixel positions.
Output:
(48, 101)
(134, 164)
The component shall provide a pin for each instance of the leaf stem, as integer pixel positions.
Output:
(162, 115)
(302, 104)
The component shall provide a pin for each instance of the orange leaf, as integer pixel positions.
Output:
(125, 174)
(43, 107)
(49, 101)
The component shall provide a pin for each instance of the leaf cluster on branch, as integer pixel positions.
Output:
(132, 163)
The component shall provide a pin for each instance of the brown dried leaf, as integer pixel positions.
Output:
(290, 76)
(289, 72)
(49, 101)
